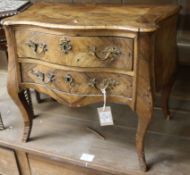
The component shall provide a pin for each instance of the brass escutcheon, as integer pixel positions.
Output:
(69, 79)
(65, 45)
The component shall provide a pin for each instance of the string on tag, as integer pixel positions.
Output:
(104, 94)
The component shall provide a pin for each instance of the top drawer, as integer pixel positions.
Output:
(103, 51)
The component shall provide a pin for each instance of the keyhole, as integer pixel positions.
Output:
(68, 79)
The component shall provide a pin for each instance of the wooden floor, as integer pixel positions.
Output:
(61, 133)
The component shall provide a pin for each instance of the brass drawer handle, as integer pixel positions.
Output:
(45, 78)
(108, 54)
(107, 84)
(37, 48)
(65, 45)
(50, 77)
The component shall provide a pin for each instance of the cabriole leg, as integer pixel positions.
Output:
(144, 109)
(23, 101)
(20, 97)
(25, 98)
(143, 123)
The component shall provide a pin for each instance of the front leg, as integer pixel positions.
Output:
(25, 97)
(23, 102)
(144, 111)
(22, 99)
(19, 96)
(144, 119)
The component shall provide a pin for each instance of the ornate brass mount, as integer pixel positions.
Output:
(108, 54)
(37, 48)
(69, 79)
(107, 84)
(45, 78)
(65, 45)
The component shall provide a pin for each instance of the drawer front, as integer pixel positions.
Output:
(111, 52)
(77, 83)
(8, 163)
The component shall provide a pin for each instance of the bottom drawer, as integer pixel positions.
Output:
(8, 163)
(75, 82)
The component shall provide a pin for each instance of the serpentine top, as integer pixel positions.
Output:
(144, 18)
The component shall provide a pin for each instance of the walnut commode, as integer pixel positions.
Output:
(70, 52)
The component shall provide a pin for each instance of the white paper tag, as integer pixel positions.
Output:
(87, 157)
(105, 116)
